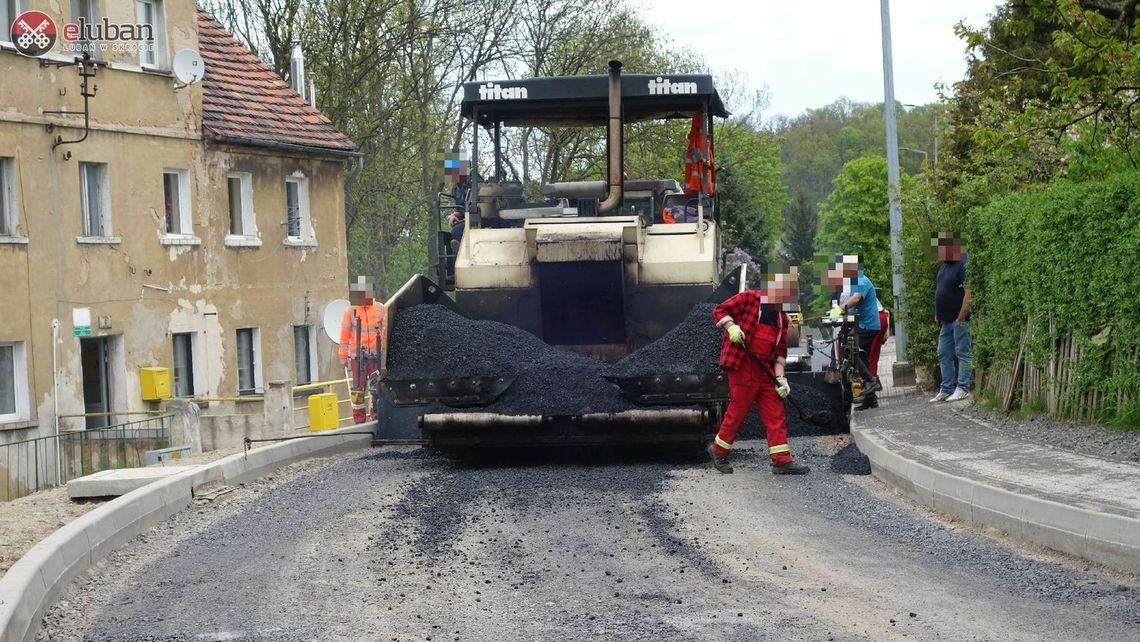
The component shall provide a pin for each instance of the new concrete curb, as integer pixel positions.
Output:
(1090, 532)
(33, 583)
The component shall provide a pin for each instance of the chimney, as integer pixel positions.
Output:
(297, 70)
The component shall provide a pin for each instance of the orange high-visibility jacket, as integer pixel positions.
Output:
(371, 320)
(699, 160)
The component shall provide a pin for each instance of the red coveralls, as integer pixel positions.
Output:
(877, 342)
(748, 383)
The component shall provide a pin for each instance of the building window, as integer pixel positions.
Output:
(243, 222)
(249, 361)
(152, 33)
(303, 353)
(95, 196)
(9, 9)
(13, 382)
(86, 12)
(9, 209)
(183, 364)
(176, 202)
(297, 221)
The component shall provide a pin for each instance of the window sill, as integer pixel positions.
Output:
(13, 240)
(292, 241)
(233, 240)
(98, 240)
(153, 70)
(176, 239)
(22, 424)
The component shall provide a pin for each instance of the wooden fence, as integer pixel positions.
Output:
(1051, 384)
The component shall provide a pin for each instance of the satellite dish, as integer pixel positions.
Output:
(333, 315)
(188, 67)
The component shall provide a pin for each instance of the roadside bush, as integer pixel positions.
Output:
(1065, 257)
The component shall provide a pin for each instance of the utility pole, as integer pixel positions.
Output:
(903, 371)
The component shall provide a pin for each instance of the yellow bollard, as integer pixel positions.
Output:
(323, 414)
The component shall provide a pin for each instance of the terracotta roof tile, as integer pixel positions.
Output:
(243, 98)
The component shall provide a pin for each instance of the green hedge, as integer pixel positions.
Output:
(923, 217)
(1069, 252)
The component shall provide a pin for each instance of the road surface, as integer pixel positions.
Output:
(402, 544)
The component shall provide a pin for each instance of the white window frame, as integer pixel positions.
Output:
(184, 217)
(305, 236)
(106, 233)
(249, 236)
(192, 356)
(160, 53)
(7, 17)
(19, 382)
(258, 387)
(94, 47)
(310, 336)
(9, 201)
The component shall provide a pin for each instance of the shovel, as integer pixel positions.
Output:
(822, 418)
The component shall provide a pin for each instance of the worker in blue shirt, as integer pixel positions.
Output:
(865, 302)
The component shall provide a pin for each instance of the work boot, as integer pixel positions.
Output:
(718, 462)
(790, 468)
(868, 391)
(868, 404)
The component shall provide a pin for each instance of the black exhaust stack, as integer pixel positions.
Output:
(615, 145)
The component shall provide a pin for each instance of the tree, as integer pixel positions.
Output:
(1051, 88)
(799, 228)
(751, 193)
(854, 220)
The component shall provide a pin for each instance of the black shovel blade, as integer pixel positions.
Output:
(822, 418)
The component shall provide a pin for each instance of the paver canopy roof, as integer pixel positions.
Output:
(584, 100)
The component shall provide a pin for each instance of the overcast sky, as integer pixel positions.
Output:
(810, 53)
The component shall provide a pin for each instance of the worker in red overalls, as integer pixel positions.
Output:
(360, 344)
(756, 319)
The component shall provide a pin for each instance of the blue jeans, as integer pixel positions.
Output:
(954, 341)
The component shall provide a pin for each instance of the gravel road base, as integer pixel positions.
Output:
(401, 544)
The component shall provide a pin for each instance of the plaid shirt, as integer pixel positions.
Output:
(744, 310)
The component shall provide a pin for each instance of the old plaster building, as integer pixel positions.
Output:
(198, 228)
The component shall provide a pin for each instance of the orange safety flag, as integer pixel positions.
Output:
(699, 160)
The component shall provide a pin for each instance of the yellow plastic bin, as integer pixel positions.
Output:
(323, 413)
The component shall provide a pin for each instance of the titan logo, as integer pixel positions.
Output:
(494, 91)
(665, 87)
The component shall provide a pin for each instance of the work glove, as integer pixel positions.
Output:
(735, 334)
(836, 313)
(782, 387)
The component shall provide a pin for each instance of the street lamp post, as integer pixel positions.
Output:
(934, 139)
(916, 151)
(903, 371)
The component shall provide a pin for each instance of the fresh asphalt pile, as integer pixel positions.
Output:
(433, 342)
(693, 347)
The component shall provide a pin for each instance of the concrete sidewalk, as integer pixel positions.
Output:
(957, 464)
